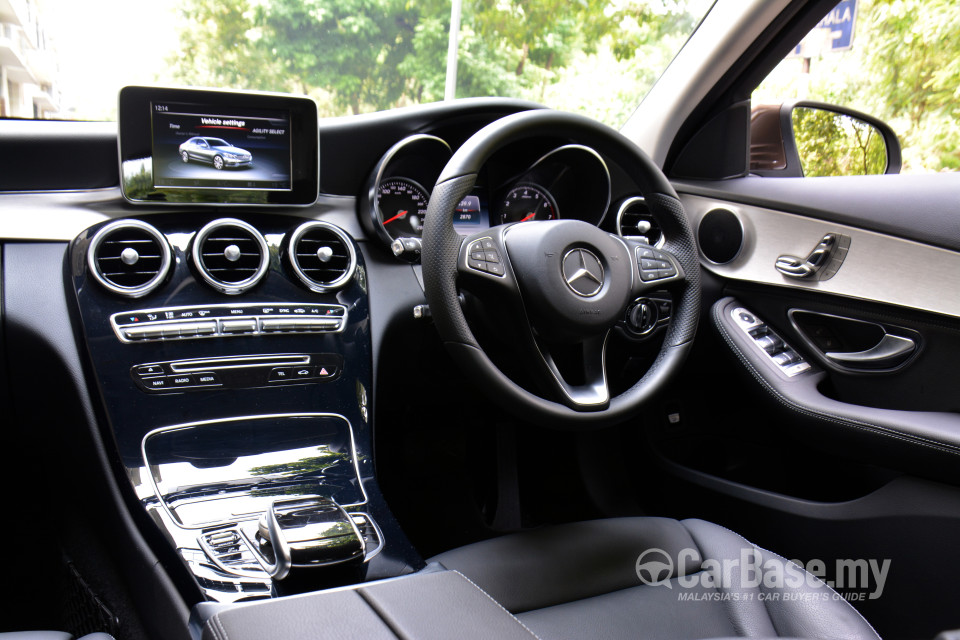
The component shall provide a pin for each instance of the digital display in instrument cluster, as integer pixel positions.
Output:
(470, 213)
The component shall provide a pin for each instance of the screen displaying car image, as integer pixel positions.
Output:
(198, 148)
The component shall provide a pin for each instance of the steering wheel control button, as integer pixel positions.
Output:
(483, 256)
(583, 272)
(227, 320)
(495, 268)
(654, 265)
(767, 342)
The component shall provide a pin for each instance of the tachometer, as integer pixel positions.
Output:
(401, 205)
(527, 202)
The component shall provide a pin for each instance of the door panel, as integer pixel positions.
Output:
(812, 463)
(877, 267)
(875, 323)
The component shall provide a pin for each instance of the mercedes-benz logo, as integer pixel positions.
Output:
(583, 272)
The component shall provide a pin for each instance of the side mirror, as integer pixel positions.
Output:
(804, 138)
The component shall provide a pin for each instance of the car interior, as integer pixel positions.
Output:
(478, 368)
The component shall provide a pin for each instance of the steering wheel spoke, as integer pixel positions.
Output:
(585, 363)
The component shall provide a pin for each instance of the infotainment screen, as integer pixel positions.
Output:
(214, 147)
(196, 147)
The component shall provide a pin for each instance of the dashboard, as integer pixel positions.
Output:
(235, 332)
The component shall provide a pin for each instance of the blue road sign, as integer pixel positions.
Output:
(838, 28)
(840, 22)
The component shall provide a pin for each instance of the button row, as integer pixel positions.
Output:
(181, 381)
(281, 374)
(279, 325)
(227, 311)
(773, 346)
(230, 327)
(483, 256)
(654, 265)
(156, 331)
(237, 372)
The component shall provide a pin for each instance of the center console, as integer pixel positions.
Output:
(233, 360)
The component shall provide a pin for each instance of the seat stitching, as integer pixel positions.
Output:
(212, 625)
(791, 562)
(727, 610)
(223, 628)
(494, 601)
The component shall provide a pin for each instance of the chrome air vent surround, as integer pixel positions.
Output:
(634, 220)
(129, 257)
(230, 255)
(322, 256)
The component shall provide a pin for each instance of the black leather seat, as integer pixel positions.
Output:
(583, 580)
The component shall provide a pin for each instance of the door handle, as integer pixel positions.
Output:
(889, 351)
(822, 263)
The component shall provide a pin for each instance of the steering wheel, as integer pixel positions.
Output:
(570, 282)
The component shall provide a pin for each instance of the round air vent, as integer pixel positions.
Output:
(129, 257)
(720, 235)
(322, 256)
(634, 220)
(230, 255)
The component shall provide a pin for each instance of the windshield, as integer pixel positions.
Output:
(596, 57)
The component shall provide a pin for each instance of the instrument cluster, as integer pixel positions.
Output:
(568, 181)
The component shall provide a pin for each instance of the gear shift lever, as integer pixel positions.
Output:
(305, 533)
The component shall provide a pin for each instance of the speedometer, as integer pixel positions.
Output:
(402, 205)
(527, 202)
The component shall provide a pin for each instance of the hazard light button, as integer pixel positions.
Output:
(327, 371)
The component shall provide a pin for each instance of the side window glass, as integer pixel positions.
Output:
(896, 60)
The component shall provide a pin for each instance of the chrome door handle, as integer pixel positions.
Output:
(889, 349)
(822, 263)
